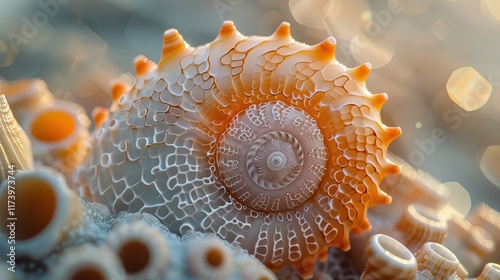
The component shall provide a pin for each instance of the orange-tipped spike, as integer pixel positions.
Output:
(227, 29)
(391, 168)
(172, 44)
(100, 114)
(118, 89)
(379, 100)
(142, 65)
(361, 72)
(327, 48)
(283, 30)
(391, 133)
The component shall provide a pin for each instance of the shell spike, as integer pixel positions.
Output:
(283, 31)
(227, 29)
(361, 72)
(143, 65)
(100, 115)
(391, 133)
(379, 100)
(118, 88)
(392, 168)
(326, 47)
(173, 43)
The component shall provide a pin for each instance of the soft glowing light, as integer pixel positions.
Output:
(345, 19)
(459, 197)
(491, 9)
(418, 125)
(309, 12)
(440, 29)
(490, 164)
(377, 51)
(468, 89)
(414, 8)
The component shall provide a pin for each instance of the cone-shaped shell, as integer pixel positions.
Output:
(270, 143)
(15, 147)
(143, 251)
(436, 262)
(87, 262)
(388, 259)
(45, 211)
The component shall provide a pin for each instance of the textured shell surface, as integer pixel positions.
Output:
(267, 142)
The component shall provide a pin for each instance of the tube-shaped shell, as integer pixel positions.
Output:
(143, 251)
(268, 142)
(436, 262)
(486, 217)
(59, 135)
(26, 96)
(420, 224)
(208, 258)
(45, 211)
(491, 271)
(15, 147)
(87, 262)
(388, 259)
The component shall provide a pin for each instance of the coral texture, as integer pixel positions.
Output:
(265, 141)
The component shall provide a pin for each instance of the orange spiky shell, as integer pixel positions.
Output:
(270, 143)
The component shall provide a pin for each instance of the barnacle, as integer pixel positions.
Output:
(46, 210)
(267, 142)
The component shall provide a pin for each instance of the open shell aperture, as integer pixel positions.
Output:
(265, 141)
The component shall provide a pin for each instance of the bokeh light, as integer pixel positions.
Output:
(468, 89)
(491, 9)
(459, 197)
(490, 164)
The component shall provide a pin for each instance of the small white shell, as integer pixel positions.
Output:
(208, 258)
(436, 262)
(59, 135)
(388, 259)
(491, 271)
(45, 210)
(25, 96)
(420, 224)
(143, 251)
(87, 262)
(15, 146)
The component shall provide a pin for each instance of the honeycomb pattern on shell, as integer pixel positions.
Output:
(177, 143)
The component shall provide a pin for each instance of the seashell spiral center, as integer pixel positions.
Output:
(283, 151)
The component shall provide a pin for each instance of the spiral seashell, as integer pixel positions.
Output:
(87, 262)
(45, 211)
(143, 251)
(267, 142)
(436, 262)
(491, 271)
(26, 96)
(65, 147)
(15, 146)
(388, 259)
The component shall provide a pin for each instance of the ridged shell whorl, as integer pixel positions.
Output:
(265, 141)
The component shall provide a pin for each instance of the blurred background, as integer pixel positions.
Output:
(438, 61)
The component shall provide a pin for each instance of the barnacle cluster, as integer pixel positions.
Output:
(246, 158)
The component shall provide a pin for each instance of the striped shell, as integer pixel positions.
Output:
(268, 142)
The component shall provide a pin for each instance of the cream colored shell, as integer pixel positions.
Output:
(267, 142)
